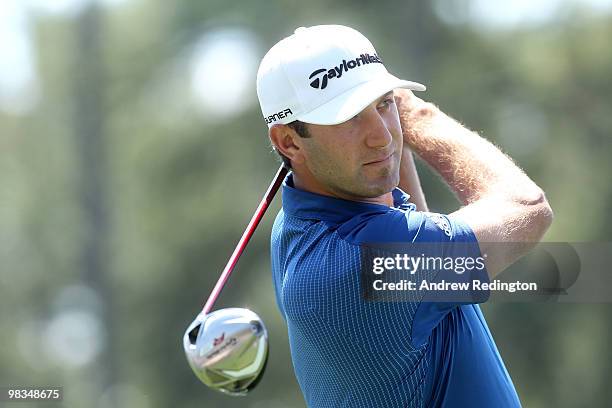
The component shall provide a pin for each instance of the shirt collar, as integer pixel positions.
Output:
(304, 204)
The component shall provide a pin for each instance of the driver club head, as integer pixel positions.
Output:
(227, 349)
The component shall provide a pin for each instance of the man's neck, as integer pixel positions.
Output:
(316, 188)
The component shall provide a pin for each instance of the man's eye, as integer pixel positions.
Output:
(387, 102)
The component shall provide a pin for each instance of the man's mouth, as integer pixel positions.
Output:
(380, 160)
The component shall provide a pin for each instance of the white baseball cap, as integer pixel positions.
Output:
(324, 75)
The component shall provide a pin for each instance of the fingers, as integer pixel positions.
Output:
(405, 100)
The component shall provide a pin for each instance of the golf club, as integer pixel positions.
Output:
(228, 348)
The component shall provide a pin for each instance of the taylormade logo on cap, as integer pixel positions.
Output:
(336, 72)
(324, 75)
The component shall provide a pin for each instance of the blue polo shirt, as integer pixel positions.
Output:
(351, 352)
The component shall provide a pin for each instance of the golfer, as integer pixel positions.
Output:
(348, 129)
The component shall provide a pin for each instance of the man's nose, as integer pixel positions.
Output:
(376, 133)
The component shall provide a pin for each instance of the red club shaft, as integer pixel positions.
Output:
(246, 236)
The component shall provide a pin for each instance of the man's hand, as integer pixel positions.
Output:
(405, 100)
(413, 113)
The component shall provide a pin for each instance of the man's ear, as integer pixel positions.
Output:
(287, 142)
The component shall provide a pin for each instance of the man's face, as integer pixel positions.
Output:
(359, 158)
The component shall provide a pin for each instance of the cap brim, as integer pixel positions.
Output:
(348, 104)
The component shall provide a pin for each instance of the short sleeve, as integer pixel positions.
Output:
(457, 241)
(429, 236)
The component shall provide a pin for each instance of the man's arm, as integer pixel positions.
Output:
(409, 180)
(502, 204)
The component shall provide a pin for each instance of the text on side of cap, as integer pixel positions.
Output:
(278, 116)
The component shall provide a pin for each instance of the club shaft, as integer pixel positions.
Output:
(246, 236)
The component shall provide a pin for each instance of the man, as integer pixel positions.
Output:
(347, 128)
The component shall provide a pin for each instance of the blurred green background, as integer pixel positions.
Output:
(133, 154)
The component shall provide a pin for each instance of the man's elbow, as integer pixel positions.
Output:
(541, 214)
